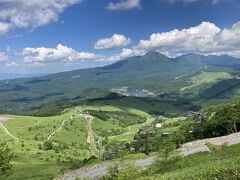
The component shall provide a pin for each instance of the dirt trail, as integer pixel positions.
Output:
(99, 170)
(59, 129)
(5, 130)
(90, 138)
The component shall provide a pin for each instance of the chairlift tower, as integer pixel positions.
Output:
(146, 136)
(201, 117)
(99, 143)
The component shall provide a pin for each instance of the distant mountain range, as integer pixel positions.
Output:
(4, 76)
(189, 75)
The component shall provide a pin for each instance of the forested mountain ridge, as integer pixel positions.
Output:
(152, 75)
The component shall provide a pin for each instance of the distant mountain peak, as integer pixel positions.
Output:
(154, 54)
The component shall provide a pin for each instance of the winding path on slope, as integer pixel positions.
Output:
(59, 129)
(5, 130)
(99, 170)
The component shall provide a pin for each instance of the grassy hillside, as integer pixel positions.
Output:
(205, 78)
(31, 161)
(202, 166)
(36, 157)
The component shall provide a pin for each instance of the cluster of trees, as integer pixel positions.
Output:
(155, 141)
(6, 156)
(223, 120)
(53, 145)
(116, 149)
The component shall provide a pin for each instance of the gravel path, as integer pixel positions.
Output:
(200, 145)
(97, 171)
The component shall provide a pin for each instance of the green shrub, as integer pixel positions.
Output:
(47, 145)
(122, 172)
(6, 156)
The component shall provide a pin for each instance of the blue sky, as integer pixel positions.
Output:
(57, 35)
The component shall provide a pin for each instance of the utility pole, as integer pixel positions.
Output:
(201, 120)
(99, 149)
(201, 116)
(146, 142)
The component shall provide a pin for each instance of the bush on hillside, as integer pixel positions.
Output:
(6, 156)
(122, 172)
(225, 120)
(53, 145)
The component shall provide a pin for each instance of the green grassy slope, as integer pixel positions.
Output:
(69, 145)
(30, 162)
(200, 166)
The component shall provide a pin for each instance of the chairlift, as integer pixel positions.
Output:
(196, 130)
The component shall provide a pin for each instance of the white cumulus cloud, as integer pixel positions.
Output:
(124, 5)
(11, 65)
(201, 37)
(30, 14)
(60, 53)
(206, 38)
(116, 41)
(3, 57)
(4, 28)
(231, 37)
(131, 52)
